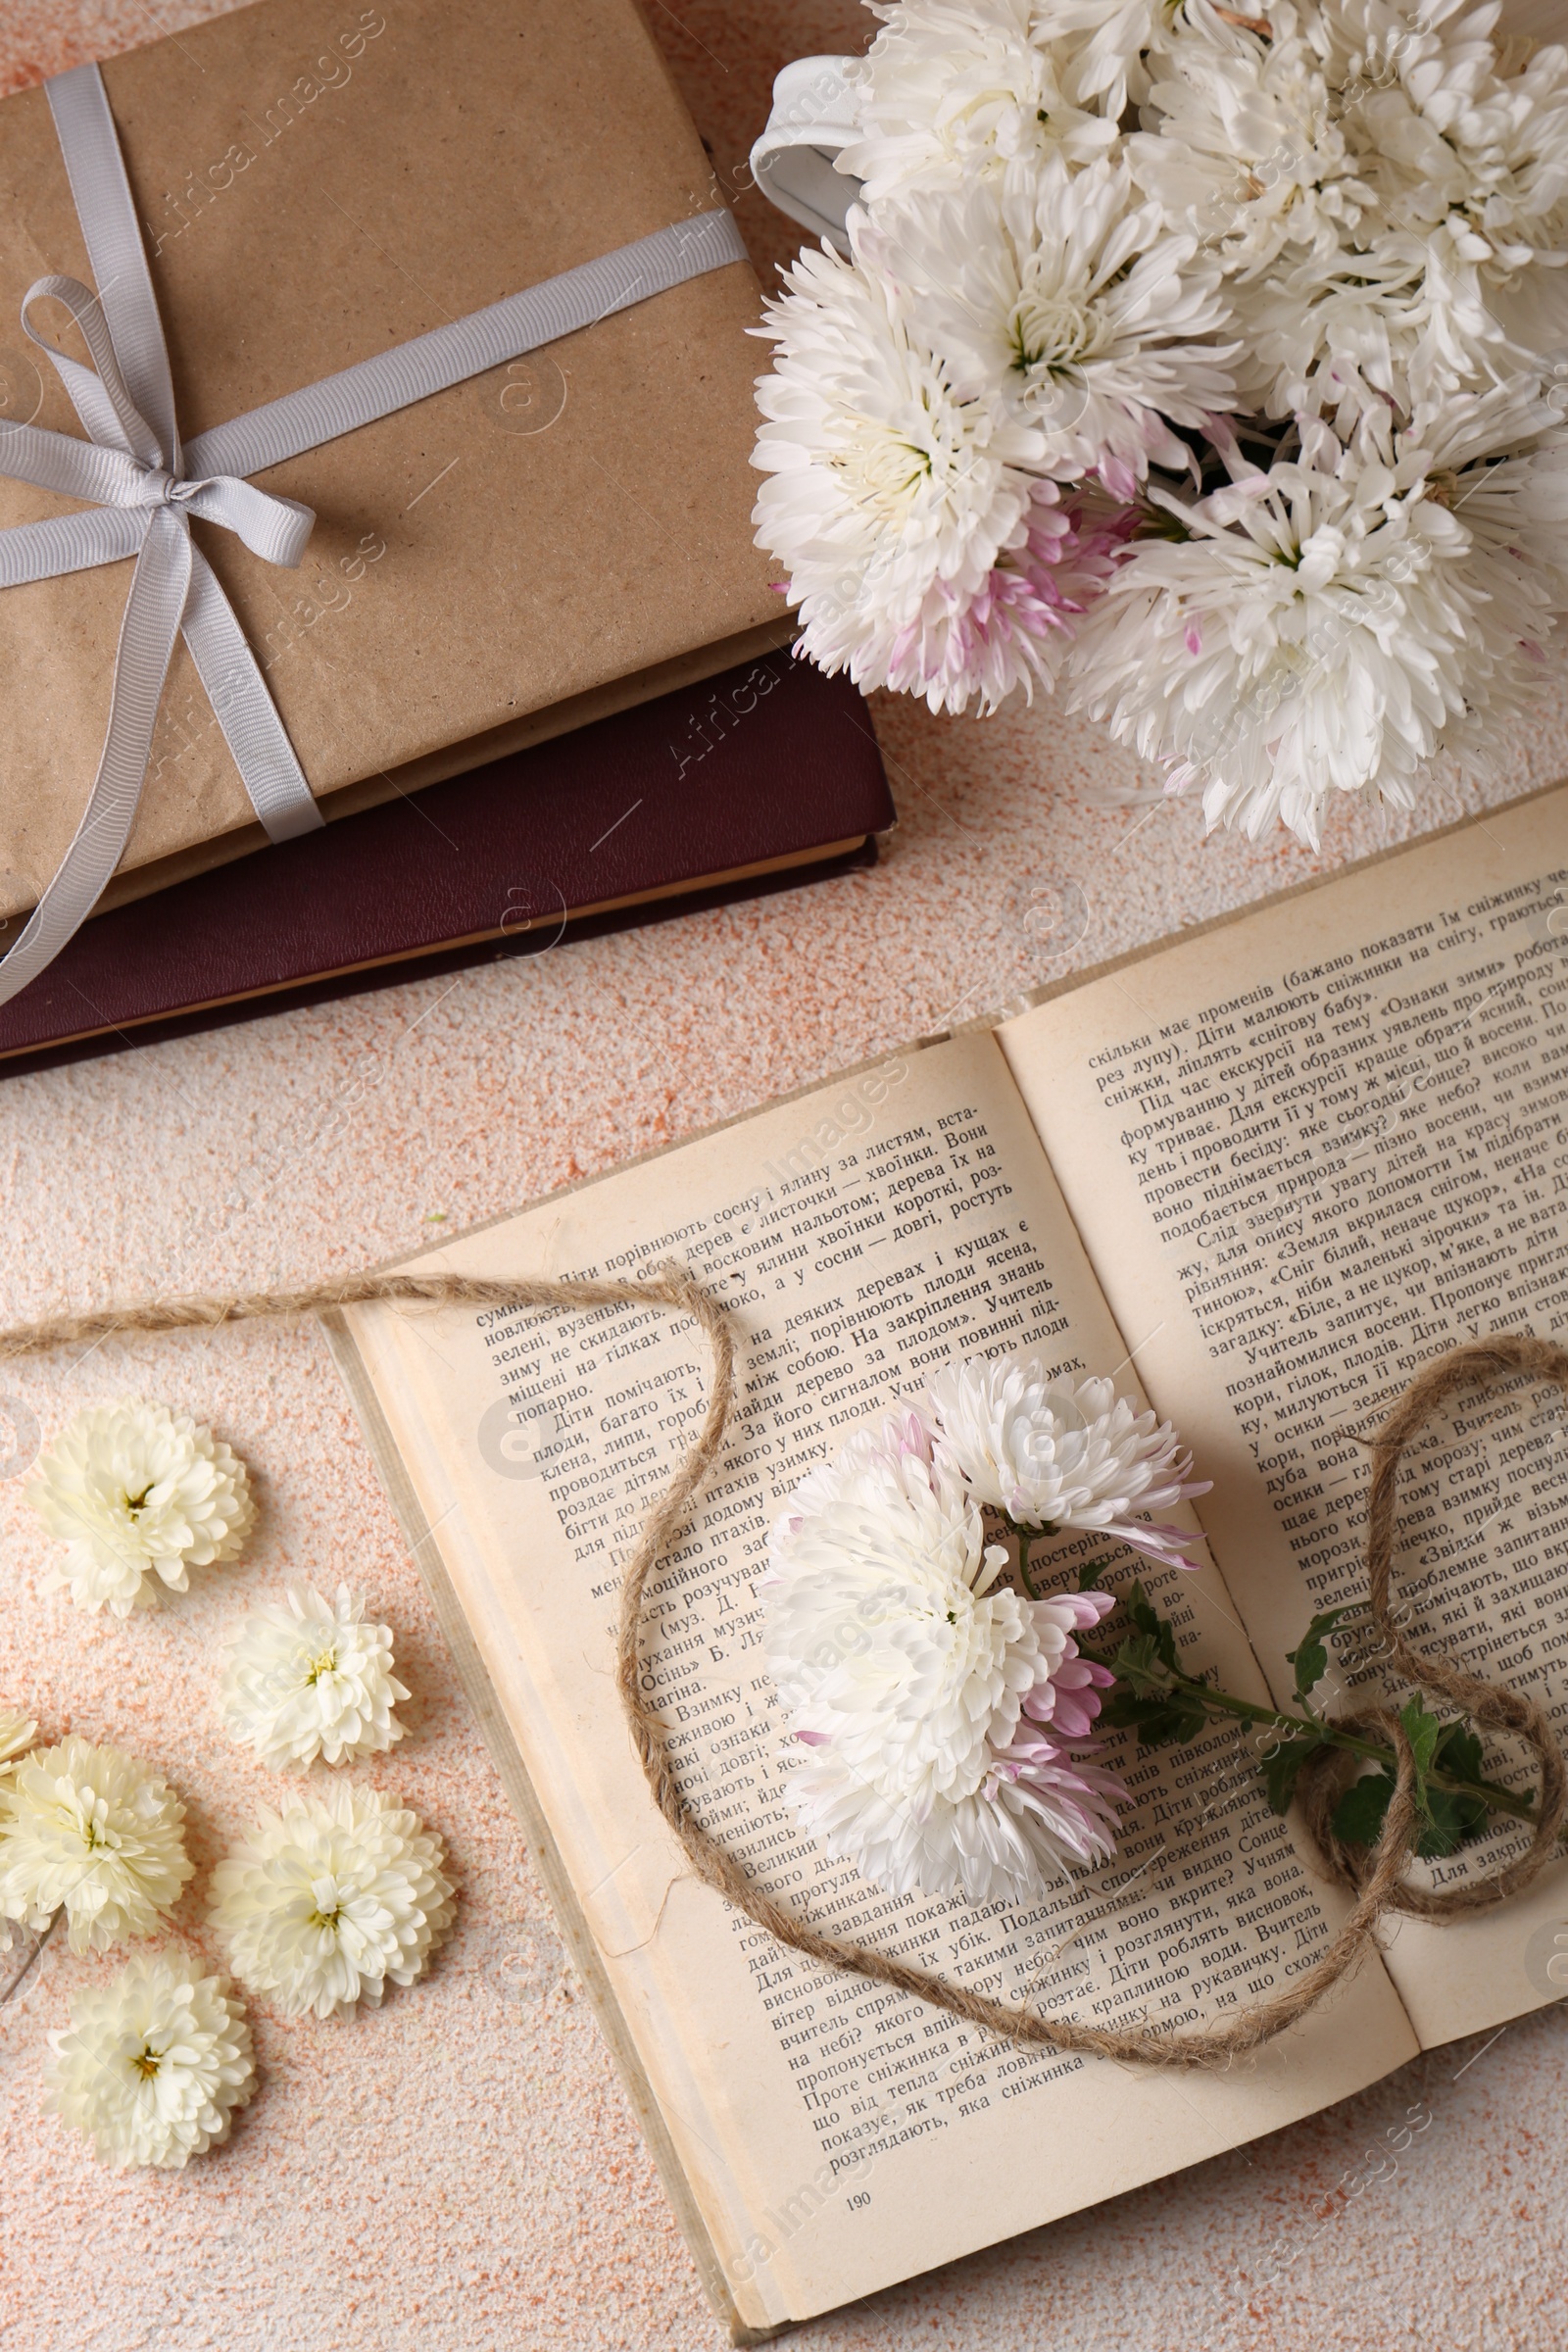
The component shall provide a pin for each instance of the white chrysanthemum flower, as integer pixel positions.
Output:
(1348, 331)
(1077, 304)
(1330, 625)
(1351, 231)
(1387, 193)
(307, 1676)
(1452, 141)
(16, 1735)
(152, 2066)
(936, 1710)
(136, 1491)
(890, 498)
(1016, 631)
(330, 1898)
(1059, 1452)
(92, 1829)
(1105, 45)
(1249, 155)
(952, 90)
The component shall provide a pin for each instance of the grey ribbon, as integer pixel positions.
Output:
(141, 489)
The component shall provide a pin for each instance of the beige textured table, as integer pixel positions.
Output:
(460, 2172)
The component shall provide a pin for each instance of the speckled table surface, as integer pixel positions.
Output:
(459, 2170)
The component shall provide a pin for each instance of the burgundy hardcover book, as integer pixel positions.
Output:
(763, 777)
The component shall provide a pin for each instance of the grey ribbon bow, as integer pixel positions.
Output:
(141, 489)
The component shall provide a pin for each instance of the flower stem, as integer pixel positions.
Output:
(31, 1959)
(1311, 1727)
(1024, 1577)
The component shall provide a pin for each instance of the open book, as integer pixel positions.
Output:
(1261, 1174)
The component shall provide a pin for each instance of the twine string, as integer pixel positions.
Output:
(1374, 1877)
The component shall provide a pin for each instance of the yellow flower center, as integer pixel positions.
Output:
(1050, 332)
(882, 471)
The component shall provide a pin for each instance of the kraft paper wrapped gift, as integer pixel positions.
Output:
(557, 538)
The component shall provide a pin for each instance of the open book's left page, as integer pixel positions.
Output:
(837, 2136)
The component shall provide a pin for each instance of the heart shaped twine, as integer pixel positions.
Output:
(1376, 1878)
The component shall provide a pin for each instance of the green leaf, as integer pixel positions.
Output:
(1423, 1730)
(1138, 1663)
(1158, 1721)
(1458, 1751)
(1281, 1768)
(1455, 1817)
(1311, 1658)
(1149, 1621)
(1448, 1818)
(1145, 1618)
(1090, 1574)
(1361, 1811)
(1150, 1695)
(1453, 1821)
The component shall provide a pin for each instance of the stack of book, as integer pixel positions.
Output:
(531, 655)
(760, 778)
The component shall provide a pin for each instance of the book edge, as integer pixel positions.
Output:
(790, 862)
(1048, 990)
(544, 725)
(517, 1782)
(988, 1023)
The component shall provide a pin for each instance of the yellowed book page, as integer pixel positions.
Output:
(1306, 1151)
(837, 2136)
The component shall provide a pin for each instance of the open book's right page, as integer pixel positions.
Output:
(1306, 1151)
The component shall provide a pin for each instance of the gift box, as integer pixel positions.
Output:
(555, 537)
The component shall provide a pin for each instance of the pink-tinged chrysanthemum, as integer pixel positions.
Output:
(1055, 1453)
(1376, 598)
(912, 518)
(1016, 629)
(1034, 1775)
(1071, 300)
(935, 1709)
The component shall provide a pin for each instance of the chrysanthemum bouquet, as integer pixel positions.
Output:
(943, 1710)
(945, 1713)
(1207, 366)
